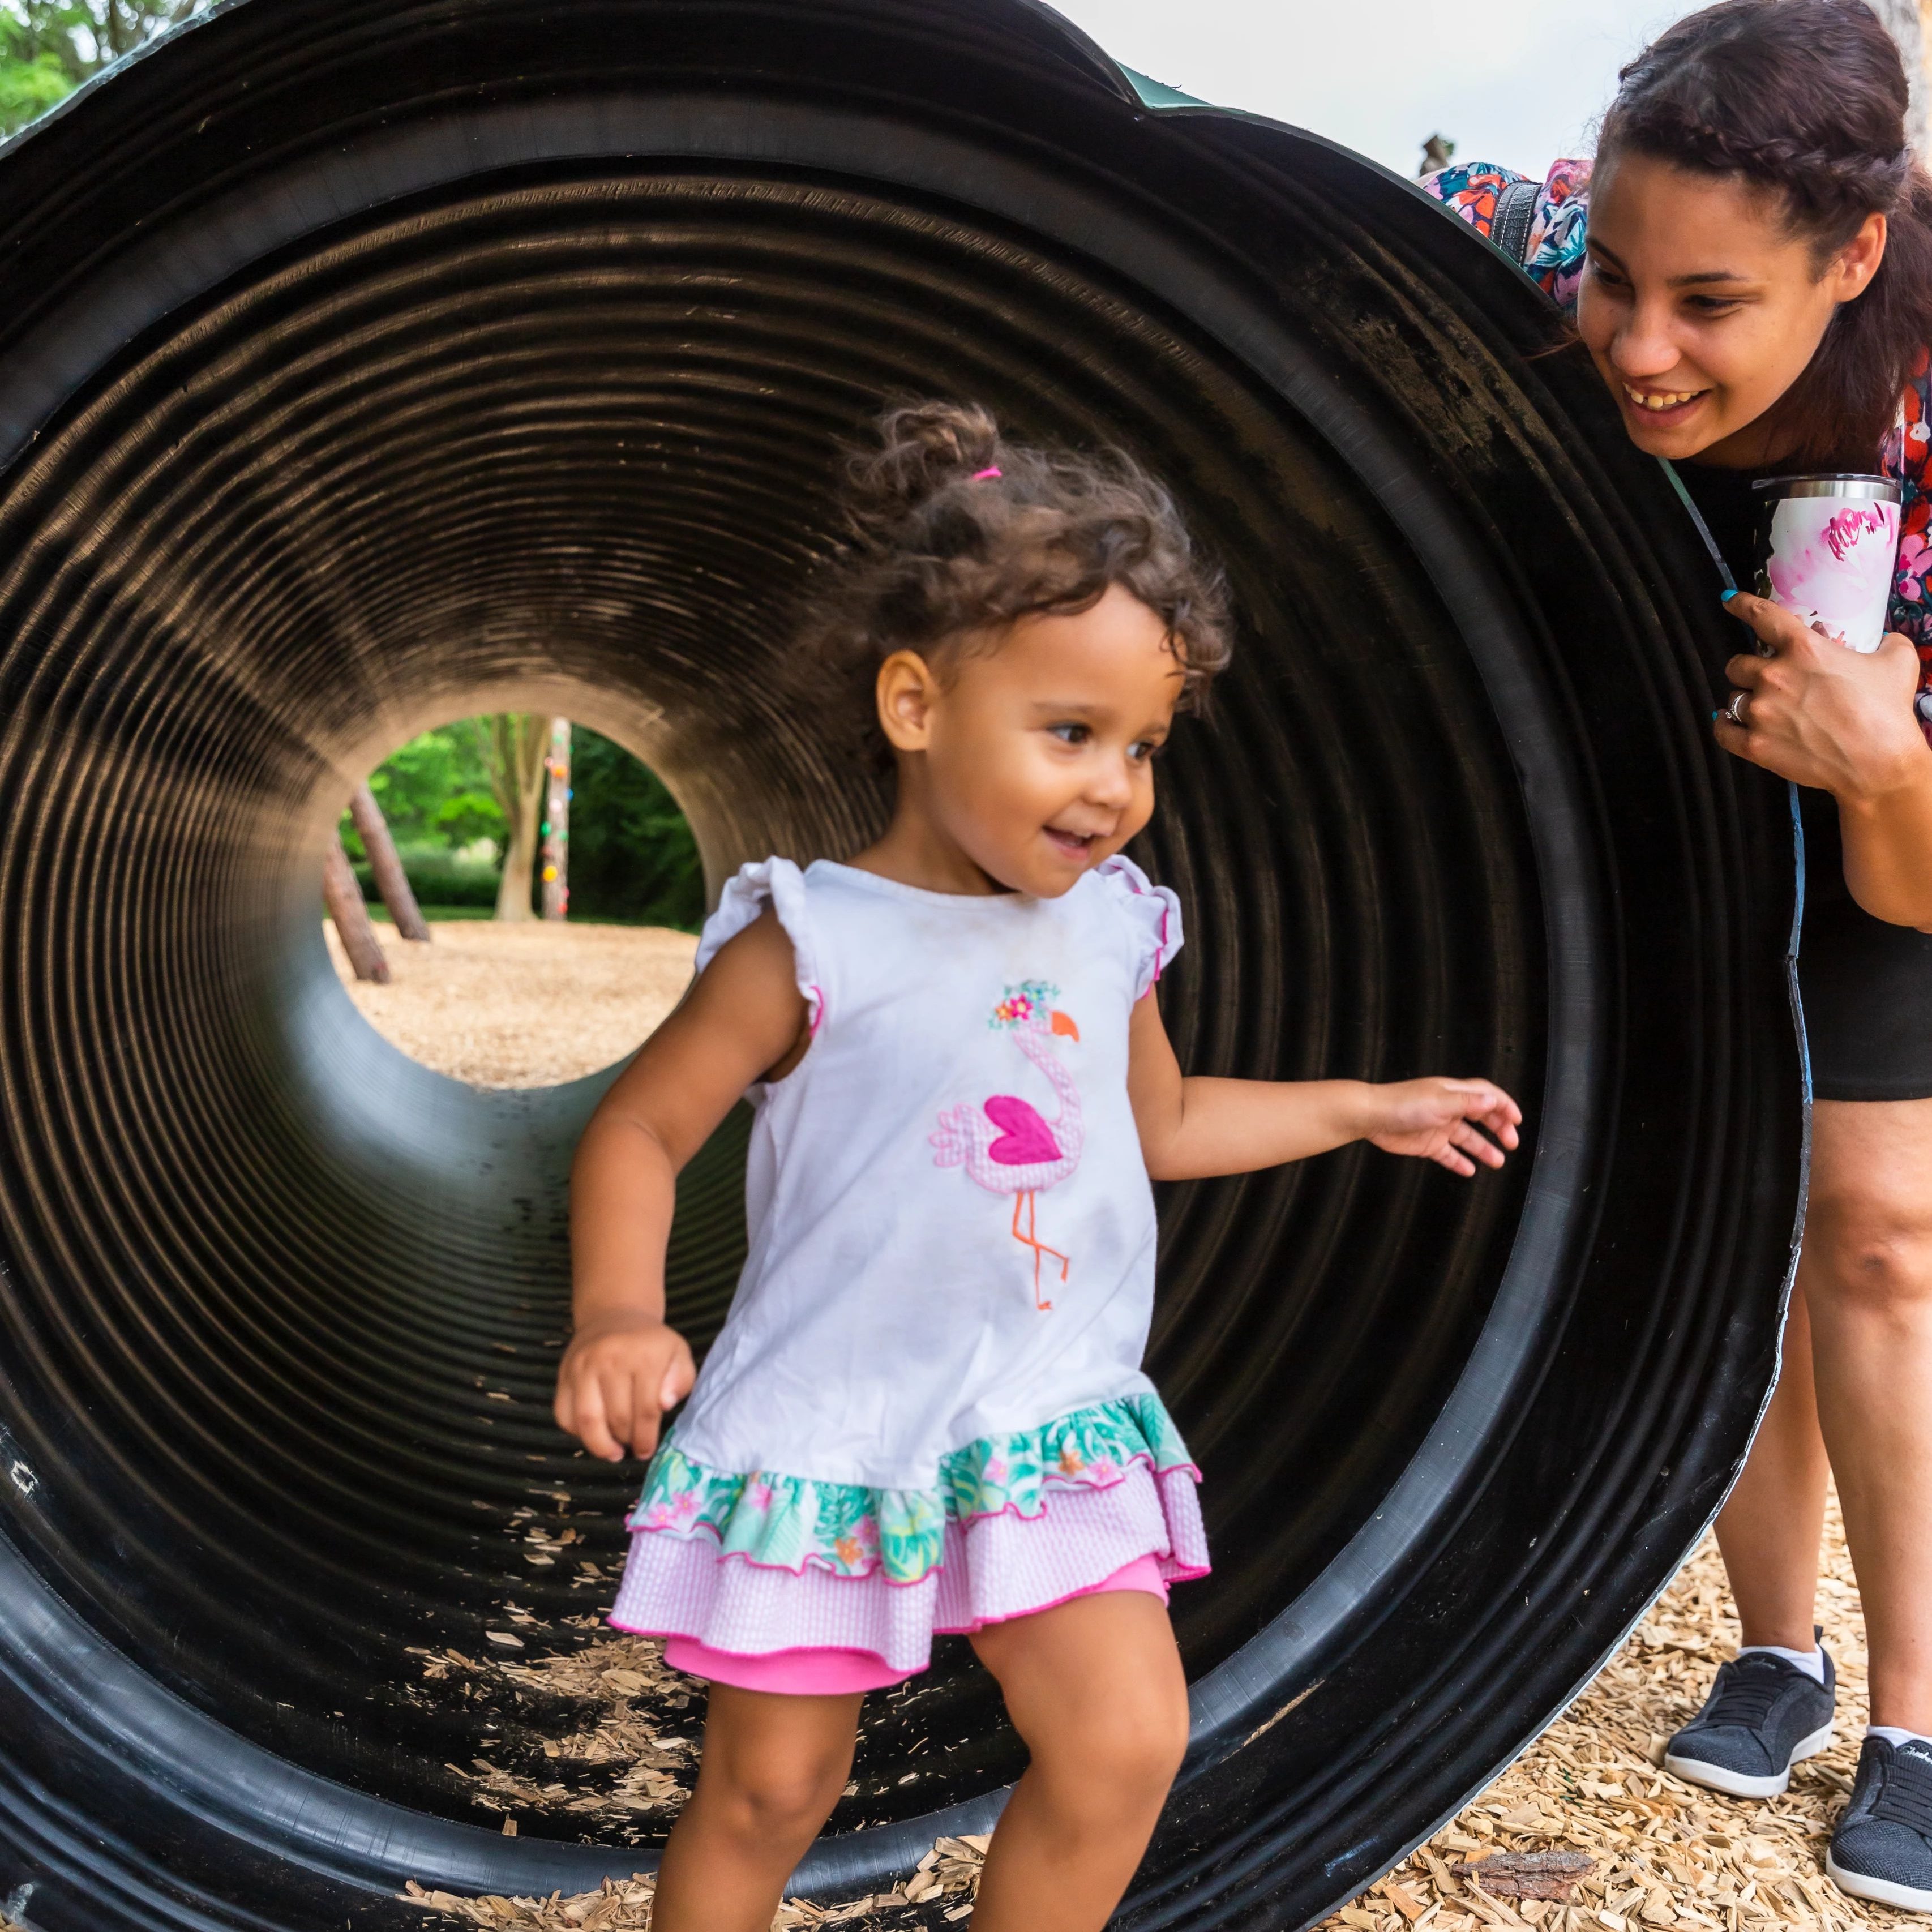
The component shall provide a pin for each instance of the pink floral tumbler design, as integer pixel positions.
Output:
(1007, 1144)
(1829, 548)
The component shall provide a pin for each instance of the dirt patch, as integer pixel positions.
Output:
(524, 1005)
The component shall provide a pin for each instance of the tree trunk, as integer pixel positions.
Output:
(513, 893)
(557, 824)
(391, 881)
(512, 744)
(344, 898)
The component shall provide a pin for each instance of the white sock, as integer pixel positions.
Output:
(1811, 1662)
(1893, 1735)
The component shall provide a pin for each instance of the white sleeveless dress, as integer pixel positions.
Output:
(926, 1410)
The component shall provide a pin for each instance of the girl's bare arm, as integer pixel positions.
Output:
(743, 1018)
(1193, 1128)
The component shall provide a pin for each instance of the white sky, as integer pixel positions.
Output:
(1519, 82)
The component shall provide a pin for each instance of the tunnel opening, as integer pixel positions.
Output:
(486, 949)
(547, 418)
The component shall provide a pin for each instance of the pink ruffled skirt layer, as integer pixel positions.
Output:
(859, 1633)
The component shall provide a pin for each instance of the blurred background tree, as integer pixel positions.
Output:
(511, 745)
(633, 860)
(48, 47)
(632, 856)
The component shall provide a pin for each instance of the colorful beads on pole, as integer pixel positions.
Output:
(557, 823)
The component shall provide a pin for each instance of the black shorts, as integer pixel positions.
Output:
(1867, 992)
(1867, 986)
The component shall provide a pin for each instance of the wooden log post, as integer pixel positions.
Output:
(391, 881)
(344, 898)
(557, 823)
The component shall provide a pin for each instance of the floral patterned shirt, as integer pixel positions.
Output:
(1553, 255)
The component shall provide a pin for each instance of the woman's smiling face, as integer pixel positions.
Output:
(1702, 305)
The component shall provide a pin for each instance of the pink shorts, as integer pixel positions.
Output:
(832, 1673)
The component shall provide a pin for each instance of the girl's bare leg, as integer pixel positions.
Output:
(1770, 1528)
(1868, 1279)
(772, 1769)
(1095, 1688)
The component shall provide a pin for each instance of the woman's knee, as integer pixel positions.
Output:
(1868, 1250)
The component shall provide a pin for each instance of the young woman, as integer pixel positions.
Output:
(1750, 263)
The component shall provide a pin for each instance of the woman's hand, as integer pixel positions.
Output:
(617, 1378)
(1820, 714)
(1813, 711)
(1442, 1120)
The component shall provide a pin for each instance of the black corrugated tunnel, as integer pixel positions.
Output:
(364, 363)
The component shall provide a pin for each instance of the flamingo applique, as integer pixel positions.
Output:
(1007, 1145)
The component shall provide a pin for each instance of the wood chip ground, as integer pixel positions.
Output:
(1666, 1853)
(526, 1004)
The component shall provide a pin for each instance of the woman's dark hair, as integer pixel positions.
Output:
(955, 534)
(1808, 98)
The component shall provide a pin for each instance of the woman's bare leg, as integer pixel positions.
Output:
(1868, 1280)
(1095, 1689)
(1770, 1528)
(772, 1769)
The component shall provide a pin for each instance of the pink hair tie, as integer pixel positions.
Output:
(980, 476)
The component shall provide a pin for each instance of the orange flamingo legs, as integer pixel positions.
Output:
(1031, 1239)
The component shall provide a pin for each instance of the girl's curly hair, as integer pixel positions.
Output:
(955, 534)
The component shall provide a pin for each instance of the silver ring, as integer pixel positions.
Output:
(1733, 710)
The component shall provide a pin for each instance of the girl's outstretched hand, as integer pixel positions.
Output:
(619, 1375)
(1443, 1121)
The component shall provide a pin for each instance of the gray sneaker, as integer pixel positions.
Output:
(1881, 1845)
(1763, 1715)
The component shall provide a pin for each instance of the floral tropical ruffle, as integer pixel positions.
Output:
(790, 1522)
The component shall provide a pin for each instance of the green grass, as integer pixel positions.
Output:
(379, 913)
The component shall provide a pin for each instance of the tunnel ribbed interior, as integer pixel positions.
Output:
(367, 363)
(577, 437)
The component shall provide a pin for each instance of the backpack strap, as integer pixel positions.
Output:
(1516, 211)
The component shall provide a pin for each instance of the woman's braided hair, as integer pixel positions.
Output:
(1806, 98)
(954, 535)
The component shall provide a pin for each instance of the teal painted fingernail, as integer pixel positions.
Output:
(1726, 597)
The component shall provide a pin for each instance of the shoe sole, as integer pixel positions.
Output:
(1879, 1891)
(1739, 1784)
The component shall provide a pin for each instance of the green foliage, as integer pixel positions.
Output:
(28, 88)
(468, 817)
(48, 47)
(441, 879)
(632, 855)
(435, 793)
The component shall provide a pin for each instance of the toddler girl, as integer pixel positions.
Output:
(926, 1411)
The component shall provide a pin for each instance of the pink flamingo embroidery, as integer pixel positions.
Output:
(1007, 1146)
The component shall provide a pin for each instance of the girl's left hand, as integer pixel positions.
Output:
(1819, 713)
(1442, 1120)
